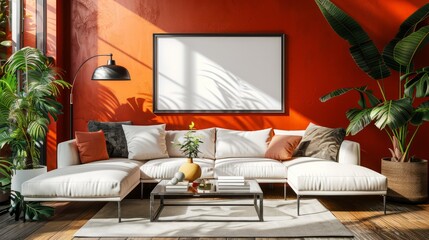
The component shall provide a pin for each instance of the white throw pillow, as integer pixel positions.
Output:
(233, 143)
(207, 148)
(145, 142)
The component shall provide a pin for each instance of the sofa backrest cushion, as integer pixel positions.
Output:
(234, 143)
(91, 146)
(282, 147)
(115, 138)
(145, 142)
(207, 148)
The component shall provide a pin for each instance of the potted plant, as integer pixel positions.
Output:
(399, 116)
(189, 144)
(25, 113)
(5, 180)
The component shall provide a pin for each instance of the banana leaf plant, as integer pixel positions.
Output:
(25, 109)
(399, 116)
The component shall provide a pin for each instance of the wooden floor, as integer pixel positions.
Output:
(362, 215)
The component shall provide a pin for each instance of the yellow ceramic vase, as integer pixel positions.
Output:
(191, 170)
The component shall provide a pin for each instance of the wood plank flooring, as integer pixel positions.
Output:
(362, 215)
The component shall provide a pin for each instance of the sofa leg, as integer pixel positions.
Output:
(141, 190)
(384, 204)
(284, 191)
(297, 204)
(119, 211)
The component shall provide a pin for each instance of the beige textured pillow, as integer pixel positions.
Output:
(145, 142)
(321, 142)
(207, 148)
(282, 147)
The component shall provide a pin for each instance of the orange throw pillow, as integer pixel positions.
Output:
(91, 146)
(282, 147)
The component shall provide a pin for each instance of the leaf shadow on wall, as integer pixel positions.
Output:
(101, 104)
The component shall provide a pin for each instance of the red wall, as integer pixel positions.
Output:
(317, 60)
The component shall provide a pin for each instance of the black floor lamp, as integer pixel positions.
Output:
(108, 72)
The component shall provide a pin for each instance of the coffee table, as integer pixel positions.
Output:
(159, 192)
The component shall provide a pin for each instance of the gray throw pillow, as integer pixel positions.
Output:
(321, 142)
(115, 138)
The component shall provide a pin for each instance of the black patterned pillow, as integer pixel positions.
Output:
(115, 138)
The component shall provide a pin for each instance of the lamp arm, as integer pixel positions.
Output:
(73, 82)
(78, 70)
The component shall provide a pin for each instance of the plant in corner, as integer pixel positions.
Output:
(25, 112)
(189, 144)
(400, 116)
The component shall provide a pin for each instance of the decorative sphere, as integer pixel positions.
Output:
(174, 181)
(180, 176)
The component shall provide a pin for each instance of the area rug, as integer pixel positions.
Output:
(280, 220)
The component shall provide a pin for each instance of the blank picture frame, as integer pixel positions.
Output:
(218, 73)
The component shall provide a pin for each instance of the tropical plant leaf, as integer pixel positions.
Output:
(6, 43)
(407, 27)
(38, 129)
(359, 119)
(419, 84)
(393, 113)
(34, 211)
(363, 91)
(363, 49)
(406, 49)
(421, 114)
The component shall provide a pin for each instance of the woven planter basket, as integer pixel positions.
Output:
(406, 181)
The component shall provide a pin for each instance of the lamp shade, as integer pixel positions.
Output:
(111, 71)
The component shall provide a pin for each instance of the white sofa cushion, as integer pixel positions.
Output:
(145, 142)
(259, 168)
(207, 148)
(101, 179)
(300, 160)
(333, 176)
(166, 168)
(233, 143)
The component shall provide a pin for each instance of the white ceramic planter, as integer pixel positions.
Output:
(20, 176)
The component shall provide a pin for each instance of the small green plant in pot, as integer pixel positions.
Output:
(25, 112)
(189, 145)
(400, 116)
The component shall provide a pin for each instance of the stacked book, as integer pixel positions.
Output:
(232, 183)
(179, 187)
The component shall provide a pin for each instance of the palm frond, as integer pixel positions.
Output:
(418, 84)
(363, 49)
(421, 114)
(359, 119)
(363, 92)
(393, 113)
(406, 49)
(407, 27)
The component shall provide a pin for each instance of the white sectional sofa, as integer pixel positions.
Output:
(113, 179)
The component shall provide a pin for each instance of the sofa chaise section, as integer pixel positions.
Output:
(327, 178)
(108, 180)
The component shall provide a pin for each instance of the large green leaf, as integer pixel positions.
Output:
(419, 83)
(359, 119)
(407, 27)
(393, 113)
(363, 49)
(407, 48)
(421, 114)
(363, 91)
